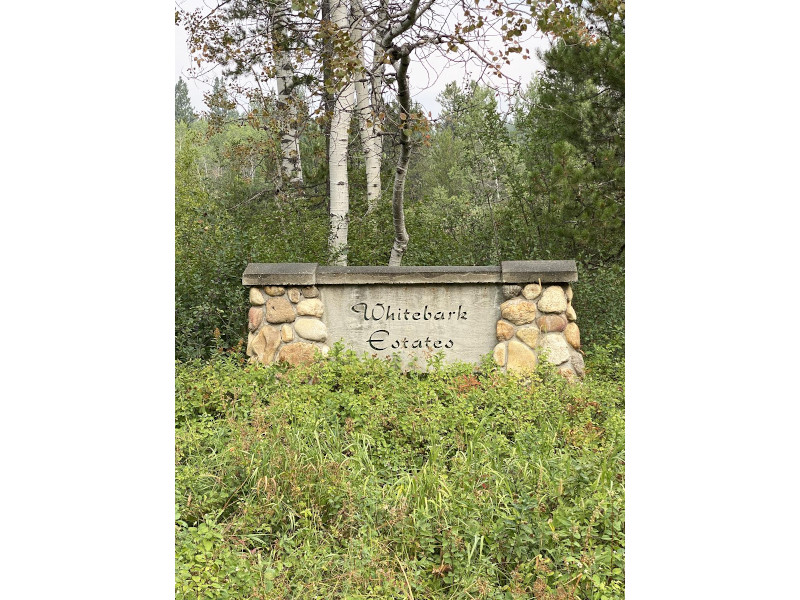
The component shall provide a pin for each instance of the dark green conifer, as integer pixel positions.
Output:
(183, 106)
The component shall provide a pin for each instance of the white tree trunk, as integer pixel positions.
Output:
(290, 168)
(337, 158)
(367, 112)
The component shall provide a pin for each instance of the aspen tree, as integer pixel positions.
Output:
(339, 137)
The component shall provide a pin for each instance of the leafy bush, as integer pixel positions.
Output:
(359, 480)
(207, 567)
(219, 229)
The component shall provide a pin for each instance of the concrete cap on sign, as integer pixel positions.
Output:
(280, 274)
(406, 275)
(546, 271)
(511, 271)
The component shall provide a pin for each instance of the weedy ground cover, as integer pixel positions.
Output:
(351, 479)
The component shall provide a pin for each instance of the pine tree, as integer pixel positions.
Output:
(572, 125)
(183, 106)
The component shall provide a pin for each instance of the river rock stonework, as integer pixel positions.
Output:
(282, 332)
(548, 330)
(519, 314)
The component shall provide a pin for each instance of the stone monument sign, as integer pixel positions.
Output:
(516, 312)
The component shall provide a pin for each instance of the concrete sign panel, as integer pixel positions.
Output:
(414, 321)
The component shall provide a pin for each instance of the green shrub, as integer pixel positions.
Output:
(361, 480)
(600, 305)
(219, 229)
(207, 566)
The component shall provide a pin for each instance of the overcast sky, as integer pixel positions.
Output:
(426, 83)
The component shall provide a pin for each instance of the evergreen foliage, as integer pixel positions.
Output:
(571, 124)
(183, 105)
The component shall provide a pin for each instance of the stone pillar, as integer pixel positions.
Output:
(538, 321)
(285, 324)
